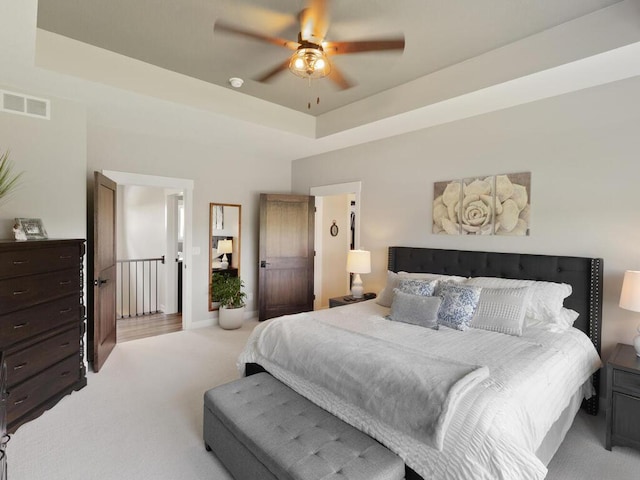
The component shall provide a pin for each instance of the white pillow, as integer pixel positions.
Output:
(547, 298)
(563, 321)
(385, 297)
(502, 310)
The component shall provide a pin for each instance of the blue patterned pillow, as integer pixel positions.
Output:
(417, 287)
(459, 303)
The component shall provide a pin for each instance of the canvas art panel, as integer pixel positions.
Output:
(485, 205)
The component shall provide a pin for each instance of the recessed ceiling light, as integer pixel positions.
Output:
(236, 82)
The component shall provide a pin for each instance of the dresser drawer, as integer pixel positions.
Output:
(628, 381)
(23, 261)
(27, 362)
(28, 395)
(23, 292)
(21, 325)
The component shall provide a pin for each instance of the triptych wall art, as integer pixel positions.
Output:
(494, 205)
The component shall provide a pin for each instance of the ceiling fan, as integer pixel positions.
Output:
(310, 59)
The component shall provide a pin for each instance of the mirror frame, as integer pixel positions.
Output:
(237, 248)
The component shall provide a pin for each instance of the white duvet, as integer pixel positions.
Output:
(491, 425)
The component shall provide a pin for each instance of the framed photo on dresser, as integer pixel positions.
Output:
(33, 228)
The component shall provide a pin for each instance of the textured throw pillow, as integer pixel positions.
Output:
(459, 303)
(502, 310)
(415, 309)
(547, 298)
(417, 287)
(385, 297)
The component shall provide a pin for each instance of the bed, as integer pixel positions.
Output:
(515, 395)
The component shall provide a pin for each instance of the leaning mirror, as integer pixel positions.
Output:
(224, 246)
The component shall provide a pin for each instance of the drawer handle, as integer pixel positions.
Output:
(65, 282)
(21, 365)
(66, 310)
(21, 400)
(20, 325)
(20, 292)
(65, 373)
(20, 262)
(65, 344)
(65, 257)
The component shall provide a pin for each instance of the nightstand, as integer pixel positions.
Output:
(623, 398)
(348, 300)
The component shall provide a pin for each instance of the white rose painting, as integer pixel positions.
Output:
(494, 205)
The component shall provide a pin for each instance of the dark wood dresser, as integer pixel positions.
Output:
(42, 324)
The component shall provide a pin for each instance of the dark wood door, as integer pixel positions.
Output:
(286, 255)
(102, 328)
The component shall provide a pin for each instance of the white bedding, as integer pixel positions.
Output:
(498, 424)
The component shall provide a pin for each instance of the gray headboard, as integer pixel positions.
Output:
(583, 274)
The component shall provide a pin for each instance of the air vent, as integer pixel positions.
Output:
(24, 105)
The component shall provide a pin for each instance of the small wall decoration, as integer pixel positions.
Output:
(493, 205)
(333, 229)
(32, 228)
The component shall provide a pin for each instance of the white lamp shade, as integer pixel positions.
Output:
(225, 246)
(630, 295)
(359, 261)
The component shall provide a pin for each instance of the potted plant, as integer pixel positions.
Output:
(216, 279)
(228, 290)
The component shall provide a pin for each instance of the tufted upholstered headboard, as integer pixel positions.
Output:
(583, 274)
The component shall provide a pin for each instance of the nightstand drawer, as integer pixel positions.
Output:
(626, 421)
(628, 381)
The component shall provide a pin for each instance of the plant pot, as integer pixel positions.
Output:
(230, 318)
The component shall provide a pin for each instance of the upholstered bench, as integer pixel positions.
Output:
(260, 429)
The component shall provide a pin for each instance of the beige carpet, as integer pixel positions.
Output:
(140, 418)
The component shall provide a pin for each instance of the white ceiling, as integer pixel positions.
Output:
(121, 92)
(179, 36)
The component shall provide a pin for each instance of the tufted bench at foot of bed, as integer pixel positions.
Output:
(261, 429)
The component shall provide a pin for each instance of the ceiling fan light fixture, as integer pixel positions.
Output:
(309, 63)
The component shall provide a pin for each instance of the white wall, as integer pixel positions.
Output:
(166, 140)
(335, 279)
(582, 150)
(52, 155)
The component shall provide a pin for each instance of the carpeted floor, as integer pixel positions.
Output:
(140, 418)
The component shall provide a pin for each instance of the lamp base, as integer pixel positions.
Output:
(224, 264)
(357, 290)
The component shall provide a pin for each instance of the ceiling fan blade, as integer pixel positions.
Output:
(339, 79)
(274, 71)
(314, 21)
(281, 42)
(341, 48)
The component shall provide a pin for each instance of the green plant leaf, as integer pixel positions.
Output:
(8, 180)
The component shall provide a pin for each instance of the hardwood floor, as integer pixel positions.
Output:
(147, 326)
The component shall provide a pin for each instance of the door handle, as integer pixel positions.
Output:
(263, 264)
(99, 282)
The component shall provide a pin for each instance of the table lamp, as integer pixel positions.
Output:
(358, 261)
(630, 298)
(225, 246)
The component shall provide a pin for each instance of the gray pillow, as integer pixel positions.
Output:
(415, 309)
(502, 310)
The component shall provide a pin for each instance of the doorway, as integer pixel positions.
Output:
(337, 230)
(177, 194)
